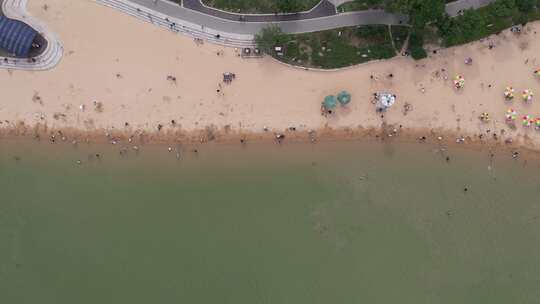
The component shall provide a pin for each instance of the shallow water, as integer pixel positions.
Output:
(326, 223)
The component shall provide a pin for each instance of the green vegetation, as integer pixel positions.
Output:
(262, 6)
(331, 49)
(491, 19)
(399, 35)
(416, 45)
(360, 5)
(429, 25)
(421, 12)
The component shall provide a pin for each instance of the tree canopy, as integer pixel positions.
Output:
(269, 37)
(421, 12)
(289, 6)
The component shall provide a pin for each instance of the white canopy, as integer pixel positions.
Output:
(385, 100)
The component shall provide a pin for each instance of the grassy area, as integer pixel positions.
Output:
(337, 48)
(262, 6)
(349, 46)
(360, 5)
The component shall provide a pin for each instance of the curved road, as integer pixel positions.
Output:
(210, 19)
(214, 25)
(322, 17)
(323, 9)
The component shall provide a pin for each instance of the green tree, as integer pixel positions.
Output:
(526, 5)
(269, 37)
(416, 45)
(502, 8)
(421, 12)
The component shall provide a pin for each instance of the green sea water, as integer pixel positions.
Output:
(327, 223)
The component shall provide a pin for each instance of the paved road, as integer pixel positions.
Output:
(240, 33)
(323, 9)
(251, 28)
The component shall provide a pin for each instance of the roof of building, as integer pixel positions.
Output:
(16, 36)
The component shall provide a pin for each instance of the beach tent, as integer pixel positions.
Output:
(329, 102)
(385, 101)
(344, 98)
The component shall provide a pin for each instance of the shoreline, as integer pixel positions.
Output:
(442, 140)
(140, 88)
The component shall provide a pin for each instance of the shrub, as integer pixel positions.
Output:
(416, 45)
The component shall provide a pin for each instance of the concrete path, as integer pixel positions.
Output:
(49, 58)
(197, 21)
(322, 9)
(225, 26)
(221, 27)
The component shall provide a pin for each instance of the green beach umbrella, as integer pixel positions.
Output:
(329, 102)
(344, 98)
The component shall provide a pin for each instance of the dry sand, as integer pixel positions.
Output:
(123, 63)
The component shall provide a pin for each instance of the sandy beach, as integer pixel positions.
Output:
(127, 66)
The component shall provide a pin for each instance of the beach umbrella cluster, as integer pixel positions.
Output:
(527, 121)
(330, 102)
(509, 93)
(484, 117)
(511, 115)
(344, 98)
(527, 95)
(459, 82)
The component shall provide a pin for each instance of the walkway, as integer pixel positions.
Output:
(206, 21)
(202, 25)
(49, 58)
(196, 21)
(323, 9)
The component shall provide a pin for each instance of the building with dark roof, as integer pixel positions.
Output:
(18, 38)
